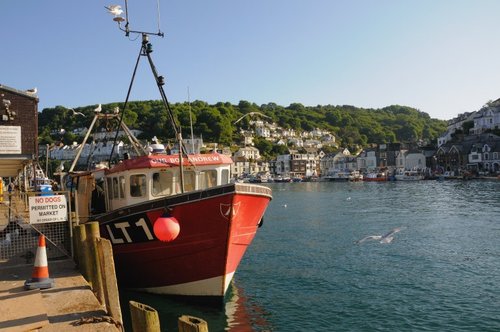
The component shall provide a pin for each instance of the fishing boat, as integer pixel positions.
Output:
(176, 222)
(170, 240)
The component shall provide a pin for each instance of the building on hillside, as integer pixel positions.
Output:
(454, 125)
(410, 160)
(247, 153)
(484, 155)
(304, 164)
(241, 168)
(469, 155)
(283, 164)
(342, 160)
(487, 118)
(263, 131)
(367, 161)
(18, 129)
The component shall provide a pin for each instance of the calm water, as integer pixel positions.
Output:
(304, 272)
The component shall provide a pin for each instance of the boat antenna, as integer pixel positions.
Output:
(116, 11)
(146, 50)
(191, 123)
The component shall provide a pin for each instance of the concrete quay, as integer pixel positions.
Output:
(69, 306)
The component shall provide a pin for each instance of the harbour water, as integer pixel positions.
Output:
(304, 271)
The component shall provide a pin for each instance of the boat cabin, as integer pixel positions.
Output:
(151, 177)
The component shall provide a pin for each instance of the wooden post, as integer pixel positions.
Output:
(191, 324)
(144, 318)
(110, 286)
(92, 230)
(82, 252)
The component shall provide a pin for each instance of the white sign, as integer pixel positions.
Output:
(45, 209)
(10, 139)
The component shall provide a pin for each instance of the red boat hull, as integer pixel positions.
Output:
(216, 228)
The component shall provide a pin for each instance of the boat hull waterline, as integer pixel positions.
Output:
(216, 227)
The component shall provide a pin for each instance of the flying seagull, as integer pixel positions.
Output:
(387, 238)
(98, 109)
(77, 113)
(252, 114)
(116, 10)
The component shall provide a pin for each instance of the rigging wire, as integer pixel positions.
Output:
(158, 11)
(125, 106)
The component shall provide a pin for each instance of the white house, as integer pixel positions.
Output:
(283, 164)
(410, 160)
(367, 160)
(247, 153)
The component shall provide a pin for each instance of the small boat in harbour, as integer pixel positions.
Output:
(405, 175)
(375, 177)
(337, 175)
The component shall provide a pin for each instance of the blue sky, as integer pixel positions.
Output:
(439, 56)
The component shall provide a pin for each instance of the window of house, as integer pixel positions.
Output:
(137, 185)
(486, 156)
(495, 155)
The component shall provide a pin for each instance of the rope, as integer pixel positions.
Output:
(125, 105)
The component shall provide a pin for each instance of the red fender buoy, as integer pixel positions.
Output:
(166, 229)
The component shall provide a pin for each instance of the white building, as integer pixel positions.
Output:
(247, 153)
(487, 118)
(283, 164)
(410, 160)
(367, 160)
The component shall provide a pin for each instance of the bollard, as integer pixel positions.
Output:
(92, 231)
(110, 285)
(191, 324)
(144, 318)
(82, 252)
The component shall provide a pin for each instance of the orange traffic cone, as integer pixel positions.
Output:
(40, 277)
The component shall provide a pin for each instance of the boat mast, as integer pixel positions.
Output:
(146, 49)
(191, 123)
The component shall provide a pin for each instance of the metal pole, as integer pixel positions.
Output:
(83, 144)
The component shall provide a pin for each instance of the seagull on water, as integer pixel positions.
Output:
(77, 113)
(115, 10)
(387, 238)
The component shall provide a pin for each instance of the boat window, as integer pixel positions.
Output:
(207, 179)
(137, 185)
(122, 186)
(225, 176)
(189, 181)
(115, 188)
(162, 184)
(110, 187)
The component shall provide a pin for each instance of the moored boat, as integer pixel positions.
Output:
(337, 175)
(176, 222)
(409, 176)
(375, 177)
(168, 240)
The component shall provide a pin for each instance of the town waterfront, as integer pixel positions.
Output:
(304, 271)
